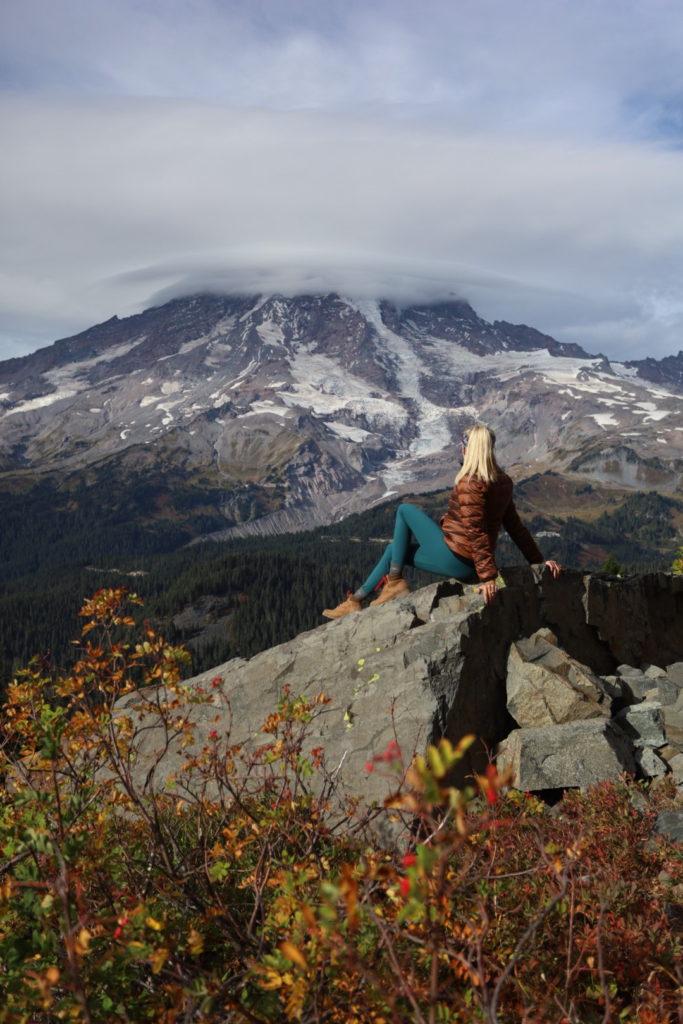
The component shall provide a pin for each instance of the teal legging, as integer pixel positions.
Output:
(430, 552)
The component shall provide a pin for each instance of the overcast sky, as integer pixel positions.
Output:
(523, 154)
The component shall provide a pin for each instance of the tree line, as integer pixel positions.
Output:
(267, 589)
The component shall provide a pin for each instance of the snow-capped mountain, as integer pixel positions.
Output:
(294, 411)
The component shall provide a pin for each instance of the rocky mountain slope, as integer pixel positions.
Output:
(270, 413)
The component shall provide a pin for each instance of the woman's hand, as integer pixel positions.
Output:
(489, 590)
(554, 568)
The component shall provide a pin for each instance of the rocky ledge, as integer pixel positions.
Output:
(567, 682)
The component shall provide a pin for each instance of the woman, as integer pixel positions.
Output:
(463, 544)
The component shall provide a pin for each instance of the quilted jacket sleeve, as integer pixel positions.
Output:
(472, 503)
(520, 535)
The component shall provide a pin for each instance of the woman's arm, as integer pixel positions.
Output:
(526, 544)
(520, 535)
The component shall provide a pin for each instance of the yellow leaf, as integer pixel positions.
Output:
(296, 998)
(52, 975)
(157, 959)
(436, 762)
(195, 942)
(293, 954)
(83, 942)
(446, 748)
(152, 923)
(271, 979)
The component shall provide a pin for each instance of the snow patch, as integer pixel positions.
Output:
(346, 432)
(625, 371)
(187, 346)
(658, 414)
(604, 419)
(259, 303)
(270, 333)
(265, 407)
(166, 407)
(104, 357)
(41, 402)
(321, 385)
(253, 365)
(394, 474)
(650, 411)
(433, 431)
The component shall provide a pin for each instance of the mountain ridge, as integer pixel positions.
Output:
(291, 412)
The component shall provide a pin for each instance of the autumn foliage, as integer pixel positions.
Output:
(248, 888)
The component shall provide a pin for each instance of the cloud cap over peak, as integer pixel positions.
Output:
(525, 157)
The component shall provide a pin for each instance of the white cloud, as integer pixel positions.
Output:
(577, 66)
(511, 153)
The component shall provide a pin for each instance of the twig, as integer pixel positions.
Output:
(528, 934)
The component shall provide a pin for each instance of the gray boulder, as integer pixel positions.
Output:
(650, 763)
(668, 690)
(546, 687)
(644, 723)
(574, 754)
(676, 766)
(673, 725)
(670, 824)
(675, 672)
(635, 683)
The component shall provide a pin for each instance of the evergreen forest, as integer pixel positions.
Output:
(238, 597)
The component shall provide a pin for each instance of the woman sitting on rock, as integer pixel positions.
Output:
(462, 546)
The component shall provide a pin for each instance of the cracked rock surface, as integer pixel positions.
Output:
(542, 671)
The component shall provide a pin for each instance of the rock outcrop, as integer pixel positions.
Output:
(546, 687)
(572, 754)
(437, 662)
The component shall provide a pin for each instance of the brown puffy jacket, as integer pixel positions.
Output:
(476, 511)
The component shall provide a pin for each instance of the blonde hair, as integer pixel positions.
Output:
(479, 460)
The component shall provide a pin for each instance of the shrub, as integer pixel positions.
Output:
(677, 564)
(241, 892)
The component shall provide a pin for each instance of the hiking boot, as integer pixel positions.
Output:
(351, 604)
(391, 589)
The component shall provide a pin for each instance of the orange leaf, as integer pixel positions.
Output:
(292, 953)
(403, 802)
